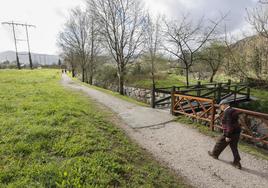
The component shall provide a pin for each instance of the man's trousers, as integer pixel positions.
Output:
(221, 144)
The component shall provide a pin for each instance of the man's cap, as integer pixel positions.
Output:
(224, 101)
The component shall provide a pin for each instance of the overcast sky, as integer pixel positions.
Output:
(50, 15)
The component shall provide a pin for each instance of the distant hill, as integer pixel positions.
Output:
(247, 45)
(253, 52)
(42, 59)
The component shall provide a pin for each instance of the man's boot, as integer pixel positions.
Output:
(212, 155)
(237, 165)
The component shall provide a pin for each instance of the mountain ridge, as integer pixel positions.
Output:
(37, 58)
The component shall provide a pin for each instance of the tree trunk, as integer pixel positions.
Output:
(86, 76)
(83, 74)
(212, 77)
(73, 73)
(153, 77)
(187, 76)
(91, 72)
(121, 83)
(91, 79)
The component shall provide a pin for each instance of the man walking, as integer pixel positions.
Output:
(231, 134)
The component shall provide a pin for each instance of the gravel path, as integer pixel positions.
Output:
(181, 148)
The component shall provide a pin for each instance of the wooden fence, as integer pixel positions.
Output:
(218, 91)
(254, 124)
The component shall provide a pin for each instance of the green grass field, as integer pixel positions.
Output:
(53, 137)
(261, 104)
(161, 81)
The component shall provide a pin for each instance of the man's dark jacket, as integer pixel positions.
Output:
(230, 122)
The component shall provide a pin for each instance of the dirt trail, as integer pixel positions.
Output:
(182, 148)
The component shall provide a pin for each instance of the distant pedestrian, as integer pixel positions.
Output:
(231, 134)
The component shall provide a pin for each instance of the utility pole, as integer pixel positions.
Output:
(13, 24)
(29, 51)
(16, 47)
(15, 41)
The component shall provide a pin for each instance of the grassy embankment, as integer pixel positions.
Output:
(167, 80)
(161, 81)
(51, 137)
(116, 94)
(261, 102)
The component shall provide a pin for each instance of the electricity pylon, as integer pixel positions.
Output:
(13, 24)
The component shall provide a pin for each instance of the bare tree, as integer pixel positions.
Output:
(68, 55)
(94, 47)
(213, 56)
(69, 59)
(258, 18)
(152, 41)
(122, 26)
(75, 37)
(185, 38)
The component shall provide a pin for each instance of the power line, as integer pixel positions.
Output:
(13, 24)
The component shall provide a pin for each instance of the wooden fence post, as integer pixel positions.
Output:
(235, 93)
(213, 112)
(229, 85)
(219, 93)
(153, 96)
(173, 90)
(216, 90)
(198, 92)
(248, 92)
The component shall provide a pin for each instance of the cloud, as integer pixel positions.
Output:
(210, 9)
(50, 15)
(47, 15)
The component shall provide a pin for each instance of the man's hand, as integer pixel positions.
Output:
(228, 139)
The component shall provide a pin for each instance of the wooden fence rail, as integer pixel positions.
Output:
(196, 107)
